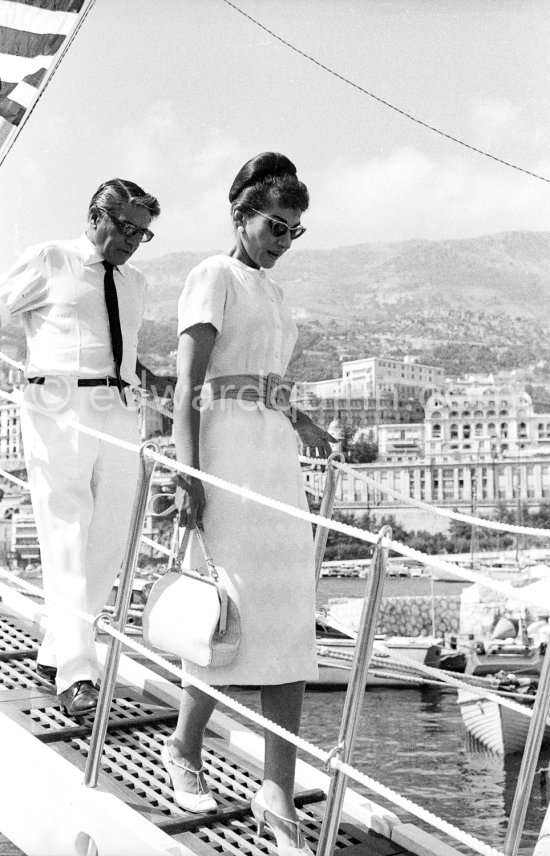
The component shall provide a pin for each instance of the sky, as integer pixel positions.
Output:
(177, 94)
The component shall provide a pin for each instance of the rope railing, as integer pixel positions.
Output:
(330, 760)
(326, 757)
(393, 660)
(333, 525)
(407, 662)
(478, 685)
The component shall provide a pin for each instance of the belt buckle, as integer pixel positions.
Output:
(277, 392)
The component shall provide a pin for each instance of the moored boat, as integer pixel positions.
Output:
(500, 728)
(336, 646)
(516, 658)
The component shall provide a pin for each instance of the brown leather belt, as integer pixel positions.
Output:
(270, 389)
(85, 381)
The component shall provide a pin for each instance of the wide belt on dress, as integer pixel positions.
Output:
(271, 390)
(86, 381)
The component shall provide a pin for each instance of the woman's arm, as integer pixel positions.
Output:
(194, 350)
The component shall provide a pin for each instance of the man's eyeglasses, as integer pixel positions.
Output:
(278, 228)
(129, 230)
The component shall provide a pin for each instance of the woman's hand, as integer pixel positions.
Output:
(315, 440)
(190, 501)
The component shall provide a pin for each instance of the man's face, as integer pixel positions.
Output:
(106, 231)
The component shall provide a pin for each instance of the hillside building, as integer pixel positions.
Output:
(371, 391)
(475, 487)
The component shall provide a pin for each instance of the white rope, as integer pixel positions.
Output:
(458, 683)
(156, 545)
(481, 522)
(15, 479)
(394, 659)
(14, 363)
(347, 529)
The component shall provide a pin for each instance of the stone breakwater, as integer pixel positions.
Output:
(419, 615)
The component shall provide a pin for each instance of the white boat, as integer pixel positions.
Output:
(501, 729)
(336, 646)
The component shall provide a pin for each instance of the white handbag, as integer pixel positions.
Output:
(189, 613)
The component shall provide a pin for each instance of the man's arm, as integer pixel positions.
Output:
(24, 286)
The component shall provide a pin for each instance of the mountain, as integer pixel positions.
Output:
(507, 273)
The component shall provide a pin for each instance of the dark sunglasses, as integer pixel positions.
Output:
(129, 230)
(278, 228)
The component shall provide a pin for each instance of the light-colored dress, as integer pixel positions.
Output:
(268, 555)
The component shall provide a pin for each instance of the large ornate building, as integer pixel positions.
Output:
(472, 420)
(481, 445)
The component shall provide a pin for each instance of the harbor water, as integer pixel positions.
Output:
(412, 740)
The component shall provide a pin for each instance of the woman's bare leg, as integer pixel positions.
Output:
(185, 744)
(283, 705)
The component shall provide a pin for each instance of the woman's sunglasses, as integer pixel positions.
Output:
(278, 228)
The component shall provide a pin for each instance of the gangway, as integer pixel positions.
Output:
(45, 810)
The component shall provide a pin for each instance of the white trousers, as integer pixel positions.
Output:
(82, 491)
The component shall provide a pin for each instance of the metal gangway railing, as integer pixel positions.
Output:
(338, 759)
(334, 760)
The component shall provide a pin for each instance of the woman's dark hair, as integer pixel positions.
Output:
(268, 173)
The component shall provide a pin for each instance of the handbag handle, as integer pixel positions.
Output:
(178, 548)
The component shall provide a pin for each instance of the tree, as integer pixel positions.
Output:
(361, 452)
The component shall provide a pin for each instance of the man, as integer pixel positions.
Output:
(82, 306)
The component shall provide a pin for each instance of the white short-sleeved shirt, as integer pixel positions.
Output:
(256, 332)
(58, 288)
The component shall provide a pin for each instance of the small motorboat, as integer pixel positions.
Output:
(501, 729)
(336, 648)
(511, 648)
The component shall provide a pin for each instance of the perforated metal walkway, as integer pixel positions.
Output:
(132, 769)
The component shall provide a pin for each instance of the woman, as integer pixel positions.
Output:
(236, 337)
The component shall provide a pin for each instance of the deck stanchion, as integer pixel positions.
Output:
(355, 692)
(118, 620)
(526, 775)
(327, 504)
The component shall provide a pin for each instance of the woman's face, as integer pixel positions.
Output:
(259, 243)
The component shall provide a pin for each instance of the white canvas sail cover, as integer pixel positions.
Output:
(33, 34)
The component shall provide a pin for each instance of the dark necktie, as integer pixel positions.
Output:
(111, 301)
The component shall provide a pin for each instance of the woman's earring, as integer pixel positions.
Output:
(240, 229)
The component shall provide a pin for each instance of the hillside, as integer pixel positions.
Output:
(478, 305)
(507, 273)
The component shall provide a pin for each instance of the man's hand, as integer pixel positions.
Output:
(190, 501)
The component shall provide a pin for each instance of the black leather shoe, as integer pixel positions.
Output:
(47, 673)
(80, 698)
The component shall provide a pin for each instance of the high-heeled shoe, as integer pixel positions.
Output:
(197, 801)
(259, 808)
